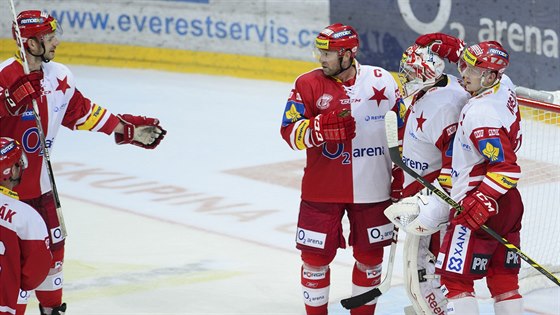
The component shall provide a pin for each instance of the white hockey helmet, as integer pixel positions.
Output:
(419, 68)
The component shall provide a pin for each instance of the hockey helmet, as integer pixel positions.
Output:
(488, 55)
(338, 37)
(11, 154)
(419, 68)
(35, 24)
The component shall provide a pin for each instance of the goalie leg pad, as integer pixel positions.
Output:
(315, 282)
(421, 283)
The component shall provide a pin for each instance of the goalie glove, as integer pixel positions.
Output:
(477, 208)
(18, 96)
(443, 45)
(141, 131)
(419, 215)
(336, 126)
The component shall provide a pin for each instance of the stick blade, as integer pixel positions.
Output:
(391, 129)
(359, 300)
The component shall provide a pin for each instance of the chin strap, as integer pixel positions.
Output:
(42, 55)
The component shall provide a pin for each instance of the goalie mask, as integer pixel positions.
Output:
(11, 154)
(419, 68)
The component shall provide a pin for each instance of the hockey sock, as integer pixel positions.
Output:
(315, 282)
(464, 305)
(509, 307)
(365, 278)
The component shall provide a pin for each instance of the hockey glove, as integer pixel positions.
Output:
(397, 183)
(477, 208)
(336, 126)
(141, 131)
(443, 45)
(18, 96)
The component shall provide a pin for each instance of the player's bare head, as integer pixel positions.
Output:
(39, 30)
(336, 44)
(483, 64)
(420, 68)
(12, 162)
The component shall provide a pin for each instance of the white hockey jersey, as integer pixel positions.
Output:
(488, 135)
(431, 122)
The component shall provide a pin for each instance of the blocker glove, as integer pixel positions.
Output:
(141, 131)
(18, 96)
(443, 45)
(336, 126)
(477, 208)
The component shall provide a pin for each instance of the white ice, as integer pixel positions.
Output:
(205, 223)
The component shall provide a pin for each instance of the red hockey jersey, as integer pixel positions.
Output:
(61, 103)
(356, 171)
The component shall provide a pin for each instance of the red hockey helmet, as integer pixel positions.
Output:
(486, 55)
(34, 23)
(338, 37)
(11, 154)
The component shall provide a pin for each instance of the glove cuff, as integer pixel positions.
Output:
(128, 132)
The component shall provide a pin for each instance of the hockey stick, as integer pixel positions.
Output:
(361, 299)
(39, 127)
(392, 140)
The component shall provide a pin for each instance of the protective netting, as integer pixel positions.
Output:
(539, 158)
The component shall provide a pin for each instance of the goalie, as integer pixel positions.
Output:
(430, 125)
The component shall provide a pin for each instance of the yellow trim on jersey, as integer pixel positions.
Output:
(9, 193)
(300, 132)
(96, 114)
(445, 181)
(502, 180)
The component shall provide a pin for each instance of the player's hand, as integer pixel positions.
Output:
(477, 208)
(397, 183)
(18, 96)
(142, 131)
(336, 126)
(445, 46)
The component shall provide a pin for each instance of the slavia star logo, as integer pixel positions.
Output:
(491, 152)
(62, 85)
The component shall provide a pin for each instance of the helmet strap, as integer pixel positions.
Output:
(42, 55)
(486, 87)
(342, 69)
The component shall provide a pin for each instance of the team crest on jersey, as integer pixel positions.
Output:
(492, 149)
(294, 111)
(324, 101)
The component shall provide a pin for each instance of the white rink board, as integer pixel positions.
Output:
(266, 28)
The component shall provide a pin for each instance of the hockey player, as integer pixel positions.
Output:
(53, 87)
(25, 257)
(430, 125)
(484, 175)
(336, 114)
